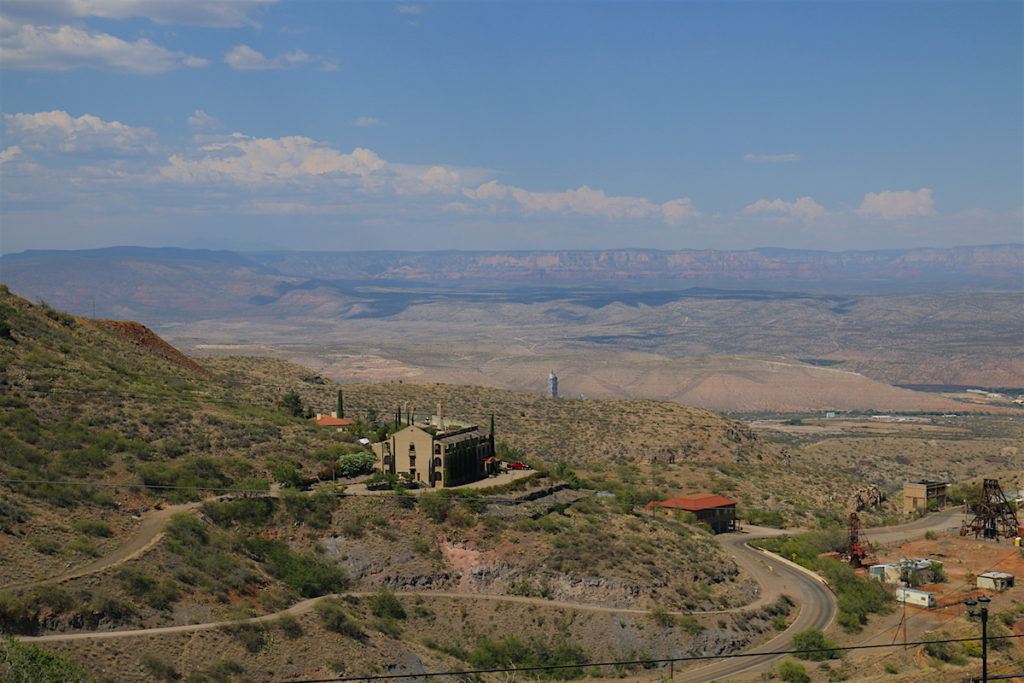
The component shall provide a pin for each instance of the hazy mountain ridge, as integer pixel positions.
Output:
(997, 265)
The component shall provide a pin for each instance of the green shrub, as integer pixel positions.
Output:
(23, 663)
(793, 672)
(306, 575)
(662, 617)
(356, 464)
(222, 671)
(944, 652)
(315, 510)
(385, 605)
(335, 618)
(94, 527)
(289, 626)
(252, 636)
(157, 594)
(243, 511)
(160, 669)
(813, 639)
(512, 652)
(435, 505)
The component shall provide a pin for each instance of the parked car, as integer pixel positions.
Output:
(518, 466)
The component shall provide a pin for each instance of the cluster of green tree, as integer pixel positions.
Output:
(858, 597)
(513, 652)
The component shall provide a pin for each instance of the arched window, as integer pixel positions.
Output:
(437, 463)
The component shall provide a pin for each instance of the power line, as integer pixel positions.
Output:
(635, 662)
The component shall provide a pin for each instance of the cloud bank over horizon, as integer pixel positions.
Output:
(251, 123)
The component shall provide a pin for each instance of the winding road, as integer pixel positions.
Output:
(775, 577)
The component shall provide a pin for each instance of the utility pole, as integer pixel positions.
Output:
(983, 613)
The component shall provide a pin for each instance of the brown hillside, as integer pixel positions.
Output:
(144, 338)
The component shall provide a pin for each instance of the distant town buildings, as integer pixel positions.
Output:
(718, 512)
(553, 384)
(924, 495)
(438, 457)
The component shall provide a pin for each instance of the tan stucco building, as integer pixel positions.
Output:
(924, 495)
(437, 458)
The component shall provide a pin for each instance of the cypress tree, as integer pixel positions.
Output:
(341, 404)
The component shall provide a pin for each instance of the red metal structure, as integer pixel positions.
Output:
(994, 517)
(856, 551)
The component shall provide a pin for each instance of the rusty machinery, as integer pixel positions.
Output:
(994, 517)
(856, 551)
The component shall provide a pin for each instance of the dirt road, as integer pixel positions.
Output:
(147, 535)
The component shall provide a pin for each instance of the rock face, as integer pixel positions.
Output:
(869, 498)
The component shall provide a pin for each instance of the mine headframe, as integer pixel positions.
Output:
(994, 517)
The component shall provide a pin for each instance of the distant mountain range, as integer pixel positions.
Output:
(157, 283)
(998, 265)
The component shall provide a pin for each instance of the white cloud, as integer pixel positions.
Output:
(586, 201)
(890, 204)
(66, 47)
(245, 160)
(771, 158)
(58, 131)
(409, 9)
(804, 208)
(200, 120)
(208, 13)
(244, 58)
(366, 122)
(10, 154)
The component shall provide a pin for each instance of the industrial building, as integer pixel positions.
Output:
(995, 581)
(914, 572)
(913, 596)
(924, 495)
(718, 512)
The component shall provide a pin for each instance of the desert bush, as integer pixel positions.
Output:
(385, 605)
(305, 574)
(219, 672)
(94, 527)
(244, 511)
(512, 652)
(160, 669)
(252, 636)
(158, 594)
(793, 672)
(23, 663)
(662, 617)
(944, 652)
(813, 639)
(315, 510)
(435, 505)
(289, 626)
(335, 618)
(769, 518)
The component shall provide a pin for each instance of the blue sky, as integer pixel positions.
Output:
(318, 125)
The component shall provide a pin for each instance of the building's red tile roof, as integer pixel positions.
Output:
(695, 502)
(328, 421)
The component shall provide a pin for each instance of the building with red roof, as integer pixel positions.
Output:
(331, 421)
(718, 512)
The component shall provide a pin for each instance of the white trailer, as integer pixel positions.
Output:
(913, 596)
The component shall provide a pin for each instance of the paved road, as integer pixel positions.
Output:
(816, 603)
(775, 577)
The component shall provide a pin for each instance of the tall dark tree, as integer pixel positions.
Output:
(292, 402)
(341, 403)
(491, 437)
